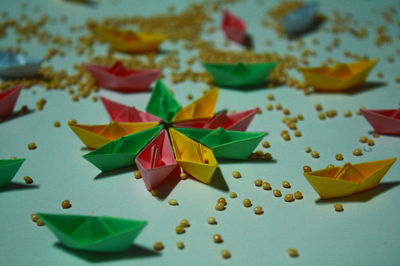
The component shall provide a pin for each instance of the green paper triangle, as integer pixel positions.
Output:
(123, 151)
(226, 144)
(93, 233)
(8, 169)
(239, 75)
(162, 103)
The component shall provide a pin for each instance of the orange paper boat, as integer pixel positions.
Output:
(338, 77)
(95, 136)
(348, 179)
(384, 121)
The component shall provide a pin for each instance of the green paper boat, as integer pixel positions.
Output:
(239, 75)
(162, 103)
(8, 169)
(93, 233)
(226, 144)
(121, 152)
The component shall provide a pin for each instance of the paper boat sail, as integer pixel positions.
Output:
(299, 20)
(95, 136)
(339, 77)
(119, 78)
(239, 75)
(162, 103)
(348, 179)
(384, 121)
(122, 151)
(237, 121)
(8, 99)
(233, 27)
(195, 159)
(125, 114)
(201, 108)
(156, 161)
(8, 169)
(93, 233)
(226, 144)
(131, 42)
(15, 65)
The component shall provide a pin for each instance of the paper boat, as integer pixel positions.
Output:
(226, 144)
(8, 169)
(93, 233)
(237, 121)
(122, 151)
(201, 108)
(239, 75)
(233, 27)
(131, 42)
(95, 136)
(156, 161)
(8, 99)
(348, 179)
(384, 121)
(300, 19)
(125, 114)
(195, 158)
(162, 103)
(15, 65)
(339, 77)
(119, 78)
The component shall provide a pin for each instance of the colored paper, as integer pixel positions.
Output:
(300, 19)
(162, 103)
(95, 136)
(195, 159)
(131, 42)
(93, 233)
(239, 75)
(122, 151)
(233, 27)
(201, 108)
(156, 161)
(226, 144)
(15, 65)
(8, 169)
(8, 99)
(338, 77)
(119, 78)
(125, 114)
(384, 121)
(348, 179)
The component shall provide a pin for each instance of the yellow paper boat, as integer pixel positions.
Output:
(348, 179)
(195, 158)
(338, 77)
(131, 42)
(95, 136)
(201, 108)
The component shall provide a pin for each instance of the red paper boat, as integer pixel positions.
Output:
(119, 78)
(384, 121)
(234, 27)
(8, 99)
(123, 113)
(156, 161)
(237, 121)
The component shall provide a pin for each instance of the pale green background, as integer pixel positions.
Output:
(366, 233)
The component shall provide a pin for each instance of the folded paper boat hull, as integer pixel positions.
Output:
(8, 99)
(8, 169)
(327, 187)
(382, 122)
(299, 20)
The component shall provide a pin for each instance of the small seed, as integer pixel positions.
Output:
(267, 156)
(277, 193)
(286, 137)
(225, 254)
(371, 142)
(363, 139)
(32, 145)
(154, 192)
(297, 133)
(185, 223)
(338, 207)
(269, 107)
(137, 174)
(258, 183)
(72, 121)
(376, 135)
(57, 124)
(266, 186)
(285, 184)
(217, 238)
(270, 97)
(180, 245)
(173, 202)
(179, 229)
(306, 169)
(300, 117)
(318, 107)
(321, 115)
(330, 166)
(339, 157)
(236, 174)
(278, 106)
(307, 149)
(247, 203)
(347, 113)
(265, 144)
(13, 158)
(298, 195)
(286, 111)
(289, 197)
(28, 180)
(315, 154)
(211, 220)
(233, 195)
(220, 206)
(34, 217)
(39, 222)
(158, 246)
(190, 96)
(258, 210)
(183, 176)
(357, 152)
(66, 204)
(222, 200)
(293, 252)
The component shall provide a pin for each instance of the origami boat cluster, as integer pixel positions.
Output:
(198, 137)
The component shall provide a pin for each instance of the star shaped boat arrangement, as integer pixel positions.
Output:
(190, 137)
